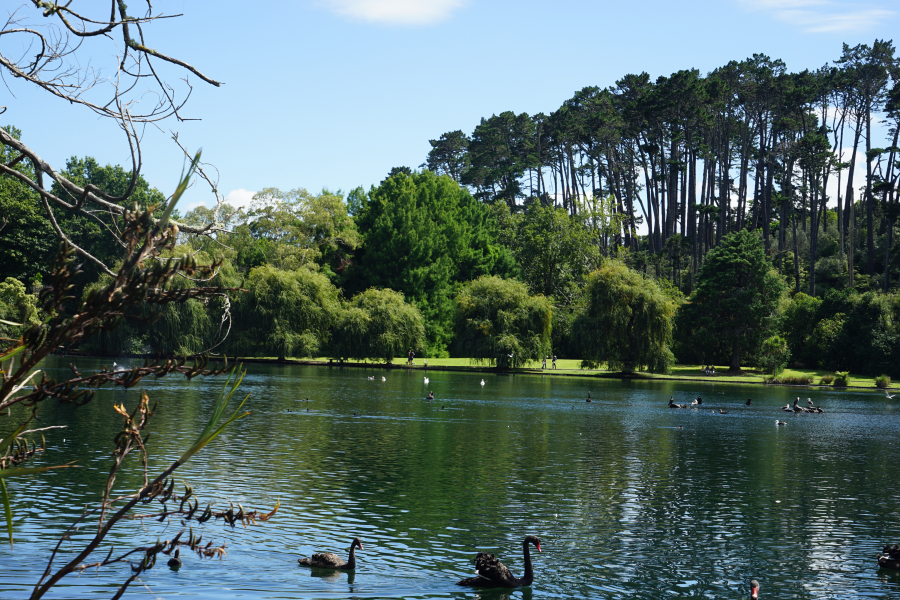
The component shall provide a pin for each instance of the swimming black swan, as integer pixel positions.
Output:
(892, 560)
(754, 589)
(493, 574)
(329, 560)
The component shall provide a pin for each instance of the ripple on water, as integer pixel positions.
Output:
(626, 504)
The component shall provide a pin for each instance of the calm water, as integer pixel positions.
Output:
(630, 499)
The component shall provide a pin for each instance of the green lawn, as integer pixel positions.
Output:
(567, 366)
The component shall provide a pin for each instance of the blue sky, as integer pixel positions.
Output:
(333, 93)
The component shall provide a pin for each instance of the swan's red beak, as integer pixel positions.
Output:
(539, 547)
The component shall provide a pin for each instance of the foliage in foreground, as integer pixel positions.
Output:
(139, 285)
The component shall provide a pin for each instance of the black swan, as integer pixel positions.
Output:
(493, 574)
(892, 560)
(754, 589)
(886, 562)
(749, 401)
(175, 561)
(329, 560)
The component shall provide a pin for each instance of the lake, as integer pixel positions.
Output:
(630, 499)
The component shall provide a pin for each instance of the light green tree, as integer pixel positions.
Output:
(626, 322)
(497, 320)
(18, 309)
(284, 313)
(378, 324)
(293, 229)
(776, 354)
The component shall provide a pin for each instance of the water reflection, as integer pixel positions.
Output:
(630, 499)
(333, 576)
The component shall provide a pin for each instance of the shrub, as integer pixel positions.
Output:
(826, 379)
(790, 380)
(841, 378)
(883, 381)
(796, 379)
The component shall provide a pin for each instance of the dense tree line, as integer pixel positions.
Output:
(684, 219)
(690, 158)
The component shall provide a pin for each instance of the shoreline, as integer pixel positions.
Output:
(597, 374)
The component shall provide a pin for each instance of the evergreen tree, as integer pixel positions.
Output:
(423, 235)
(731, 311)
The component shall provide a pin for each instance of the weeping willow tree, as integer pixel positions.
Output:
(183, 328)
(18, 309)
(626, 322)
(118, 335)
(193, 326)
(497, 320)
(378, 324)
(284, 313)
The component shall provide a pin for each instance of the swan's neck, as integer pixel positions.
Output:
(351, 560)
(529, 573)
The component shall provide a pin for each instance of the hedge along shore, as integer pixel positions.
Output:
(568, 367)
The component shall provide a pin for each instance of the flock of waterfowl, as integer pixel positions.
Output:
(491, 573)
(796, 408)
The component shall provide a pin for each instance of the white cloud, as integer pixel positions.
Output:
(403, 12)
(824, 16)
(194, 205)
(239, 197)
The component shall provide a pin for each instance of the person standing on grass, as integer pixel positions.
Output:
(554, 361)
(544, 363)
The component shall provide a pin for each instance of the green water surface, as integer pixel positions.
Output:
(631, 499)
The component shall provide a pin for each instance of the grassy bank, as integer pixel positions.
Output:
(572, 367)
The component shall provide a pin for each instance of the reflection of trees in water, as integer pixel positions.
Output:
(332, 575)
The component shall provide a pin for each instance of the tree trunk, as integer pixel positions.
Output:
(735, 365)
(813, 232)
(870, 201)
(848, 197)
